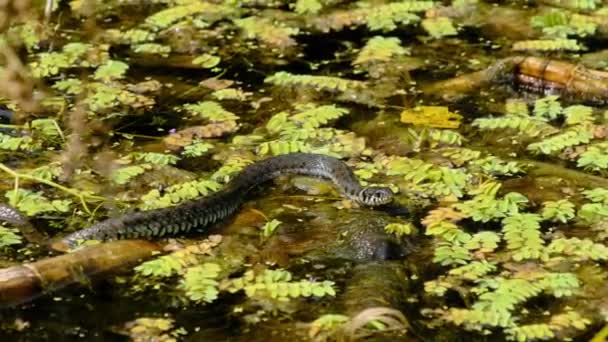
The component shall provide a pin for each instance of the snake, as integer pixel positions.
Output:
(201, 213)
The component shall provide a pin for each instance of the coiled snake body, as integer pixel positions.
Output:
(203, 212)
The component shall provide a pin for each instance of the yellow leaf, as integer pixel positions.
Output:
(431, 116)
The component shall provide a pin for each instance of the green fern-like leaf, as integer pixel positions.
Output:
(267, 31)
(559, 211)
(32, 203)
(498, 303)
(523, 236)
(231, 94)
(595, 157)
(559, 284)
(47, 172)
(280, 122)
(485, 206)
(531, 332)
(308, 6)
(583, 25)
(516, 107)
(69, 86)
(301, 132)
(231, 167)
(575, 136)
(111, 70)
(278, 147)
(445, 137)
(316, 117)
(200, 282)
(497, 300)
(125, 174)
(438, 287)
(461, 156)
(425, 177)
(155, 158)
(547, 107)
(593, 212)
(474, 270)
(597, 195)
(530, 126)
(178, 193)
(11, 143)
(52, 63)
(543, 331)
(380, 49)
(439, 27)
(569, 319)
(163, 19)
(328, 323)
(578, 249)
(559, 24)
(278, 284)
(399, 229)
(497, 167)
(434, 137)
(47, 128)
(270, 227)
(132, 36)
(548, 45)
(387, 17)
(327, 83)
(196, 149)
(578, 114)
(483, 241)
(207, 61)
(211, 111)
(9, 237)
(582, 4)
(162, 267)
(537, 331)
(152, 49)
(449, 232)
(451, 254)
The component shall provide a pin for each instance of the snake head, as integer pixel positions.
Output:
(374, 196)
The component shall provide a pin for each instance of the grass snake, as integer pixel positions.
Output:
(203, 212)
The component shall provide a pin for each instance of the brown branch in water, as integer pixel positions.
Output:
(20, 284)
(569, 81)
(531, 74)
(579, 178)
(461, 85)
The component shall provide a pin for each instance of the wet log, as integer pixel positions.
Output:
(20, 284)
(570, 81)
(537, 75)
(456, 87)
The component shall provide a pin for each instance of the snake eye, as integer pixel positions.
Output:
(376, 195)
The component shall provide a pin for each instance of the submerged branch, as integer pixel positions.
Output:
(20, 284)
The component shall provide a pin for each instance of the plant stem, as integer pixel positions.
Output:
(76, 193)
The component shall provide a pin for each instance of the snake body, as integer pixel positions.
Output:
(12, 215)
(204, 212)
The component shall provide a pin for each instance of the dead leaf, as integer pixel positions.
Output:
(442, 214)
(216, 83)
(186, 136)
